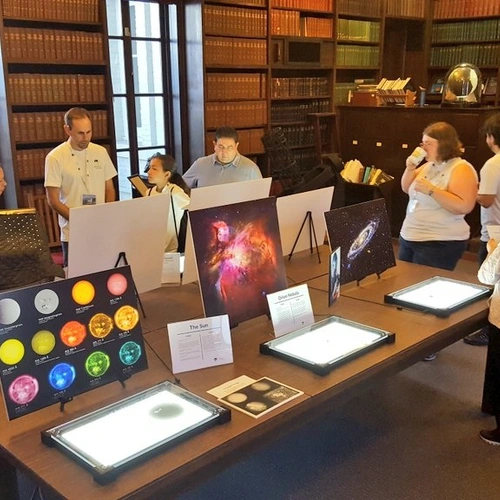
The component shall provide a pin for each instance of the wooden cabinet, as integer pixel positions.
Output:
(385, 137)
(54, 56)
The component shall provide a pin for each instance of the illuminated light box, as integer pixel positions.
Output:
(326, 344)
(440, 296)
(120, 436)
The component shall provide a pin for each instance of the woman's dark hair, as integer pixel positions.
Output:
(168, 165)
(449, 145)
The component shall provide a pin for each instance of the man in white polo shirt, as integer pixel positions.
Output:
(77, 172)
(225, 165)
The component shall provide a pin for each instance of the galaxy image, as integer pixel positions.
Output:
(363, 233)
(239, 258)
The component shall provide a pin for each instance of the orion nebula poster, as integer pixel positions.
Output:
(239, 258)
(363, 233)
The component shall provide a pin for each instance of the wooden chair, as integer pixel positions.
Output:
(50, 223)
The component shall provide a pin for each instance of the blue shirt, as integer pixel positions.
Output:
(208, 171)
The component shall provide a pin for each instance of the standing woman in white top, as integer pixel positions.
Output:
(162, 172)
(442, 192)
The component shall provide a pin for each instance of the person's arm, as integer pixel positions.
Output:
(109, 191)
(486, 200)
(191, 176)
(460, 197)
(55, 203)
(409, 175)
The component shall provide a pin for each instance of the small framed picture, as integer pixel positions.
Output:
(437, 86)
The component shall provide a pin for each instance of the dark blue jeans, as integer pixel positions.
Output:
(482, 252)
(65, 245)
(441, 254)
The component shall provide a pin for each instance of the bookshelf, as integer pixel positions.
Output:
(54, 56)
(454, 40)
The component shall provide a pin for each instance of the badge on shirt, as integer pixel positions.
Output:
(96, 164)
(89, 199)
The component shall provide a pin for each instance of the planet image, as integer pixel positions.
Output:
(237, 397)
(73, 333)
(9, 311)
(117, 284)
(11, 351)
(43, 342)
(83, 292)
(100, 325)
(256, 406)
(97, 364)
(261, 386)
(23, 389)
(166, 410)
(129, 353)
(62, 376)
(46, 301)
(126, 318)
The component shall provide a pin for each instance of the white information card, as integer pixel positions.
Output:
(290, 309)
(200, 343)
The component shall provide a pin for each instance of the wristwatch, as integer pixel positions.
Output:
(431, 191)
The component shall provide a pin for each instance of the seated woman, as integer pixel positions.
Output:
(162, 172)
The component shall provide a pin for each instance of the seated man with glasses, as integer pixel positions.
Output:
(225, 165)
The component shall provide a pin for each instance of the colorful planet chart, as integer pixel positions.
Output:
(100, 325)
(46, 301)
(126, 318)
(117, 284)
(73, 333)
(9, 311)
(97, 364)
(23, 389)
(11, 351)
(62, 376)
(43, 342)
(83, 292)
(129, 353)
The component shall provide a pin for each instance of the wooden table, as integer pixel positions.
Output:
(417, 334)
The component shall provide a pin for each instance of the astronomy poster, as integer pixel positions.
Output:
(363, 234)
(63, 338)
(239, 258)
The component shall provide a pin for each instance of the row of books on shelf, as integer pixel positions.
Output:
(27, 44)
(446, 9)
(34, 189)
(236, 21)
(249, 141)
(31, 88)
(30, 163)
(343, 91)
(484, 54)
(236, 86)
(312, 86)
(318, 5)
(57, 10)
(405, 8)
(301, 135)
(235, 51)
(372, 8)
(354, 171)
(48, 127)
(290, 23)
(297, 112)
(483, 30)
(354, 55)
(256, 3)
(358, 31)
(238, 114)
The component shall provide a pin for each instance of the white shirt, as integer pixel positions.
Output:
(76, 173)
(489, 274)
(490, 184)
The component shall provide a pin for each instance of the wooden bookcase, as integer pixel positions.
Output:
(54, 56)
(475, 40)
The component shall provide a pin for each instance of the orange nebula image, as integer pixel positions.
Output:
(100, 325)
(126, 318)
(73, 333)
(83, 292)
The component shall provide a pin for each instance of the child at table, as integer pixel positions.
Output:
(489, 274)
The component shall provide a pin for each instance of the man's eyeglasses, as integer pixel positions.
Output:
(220, 147)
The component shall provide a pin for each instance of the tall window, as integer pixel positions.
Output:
(142, 81)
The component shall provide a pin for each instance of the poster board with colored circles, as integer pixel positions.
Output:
(63, 338)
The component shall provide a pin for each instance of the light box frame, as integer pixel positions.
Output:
(104, 473)
(477, 292)
(272, 347)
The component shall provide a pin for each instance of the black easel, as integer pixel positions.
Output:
(123, 255)
(312, 233)
(63, 401)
